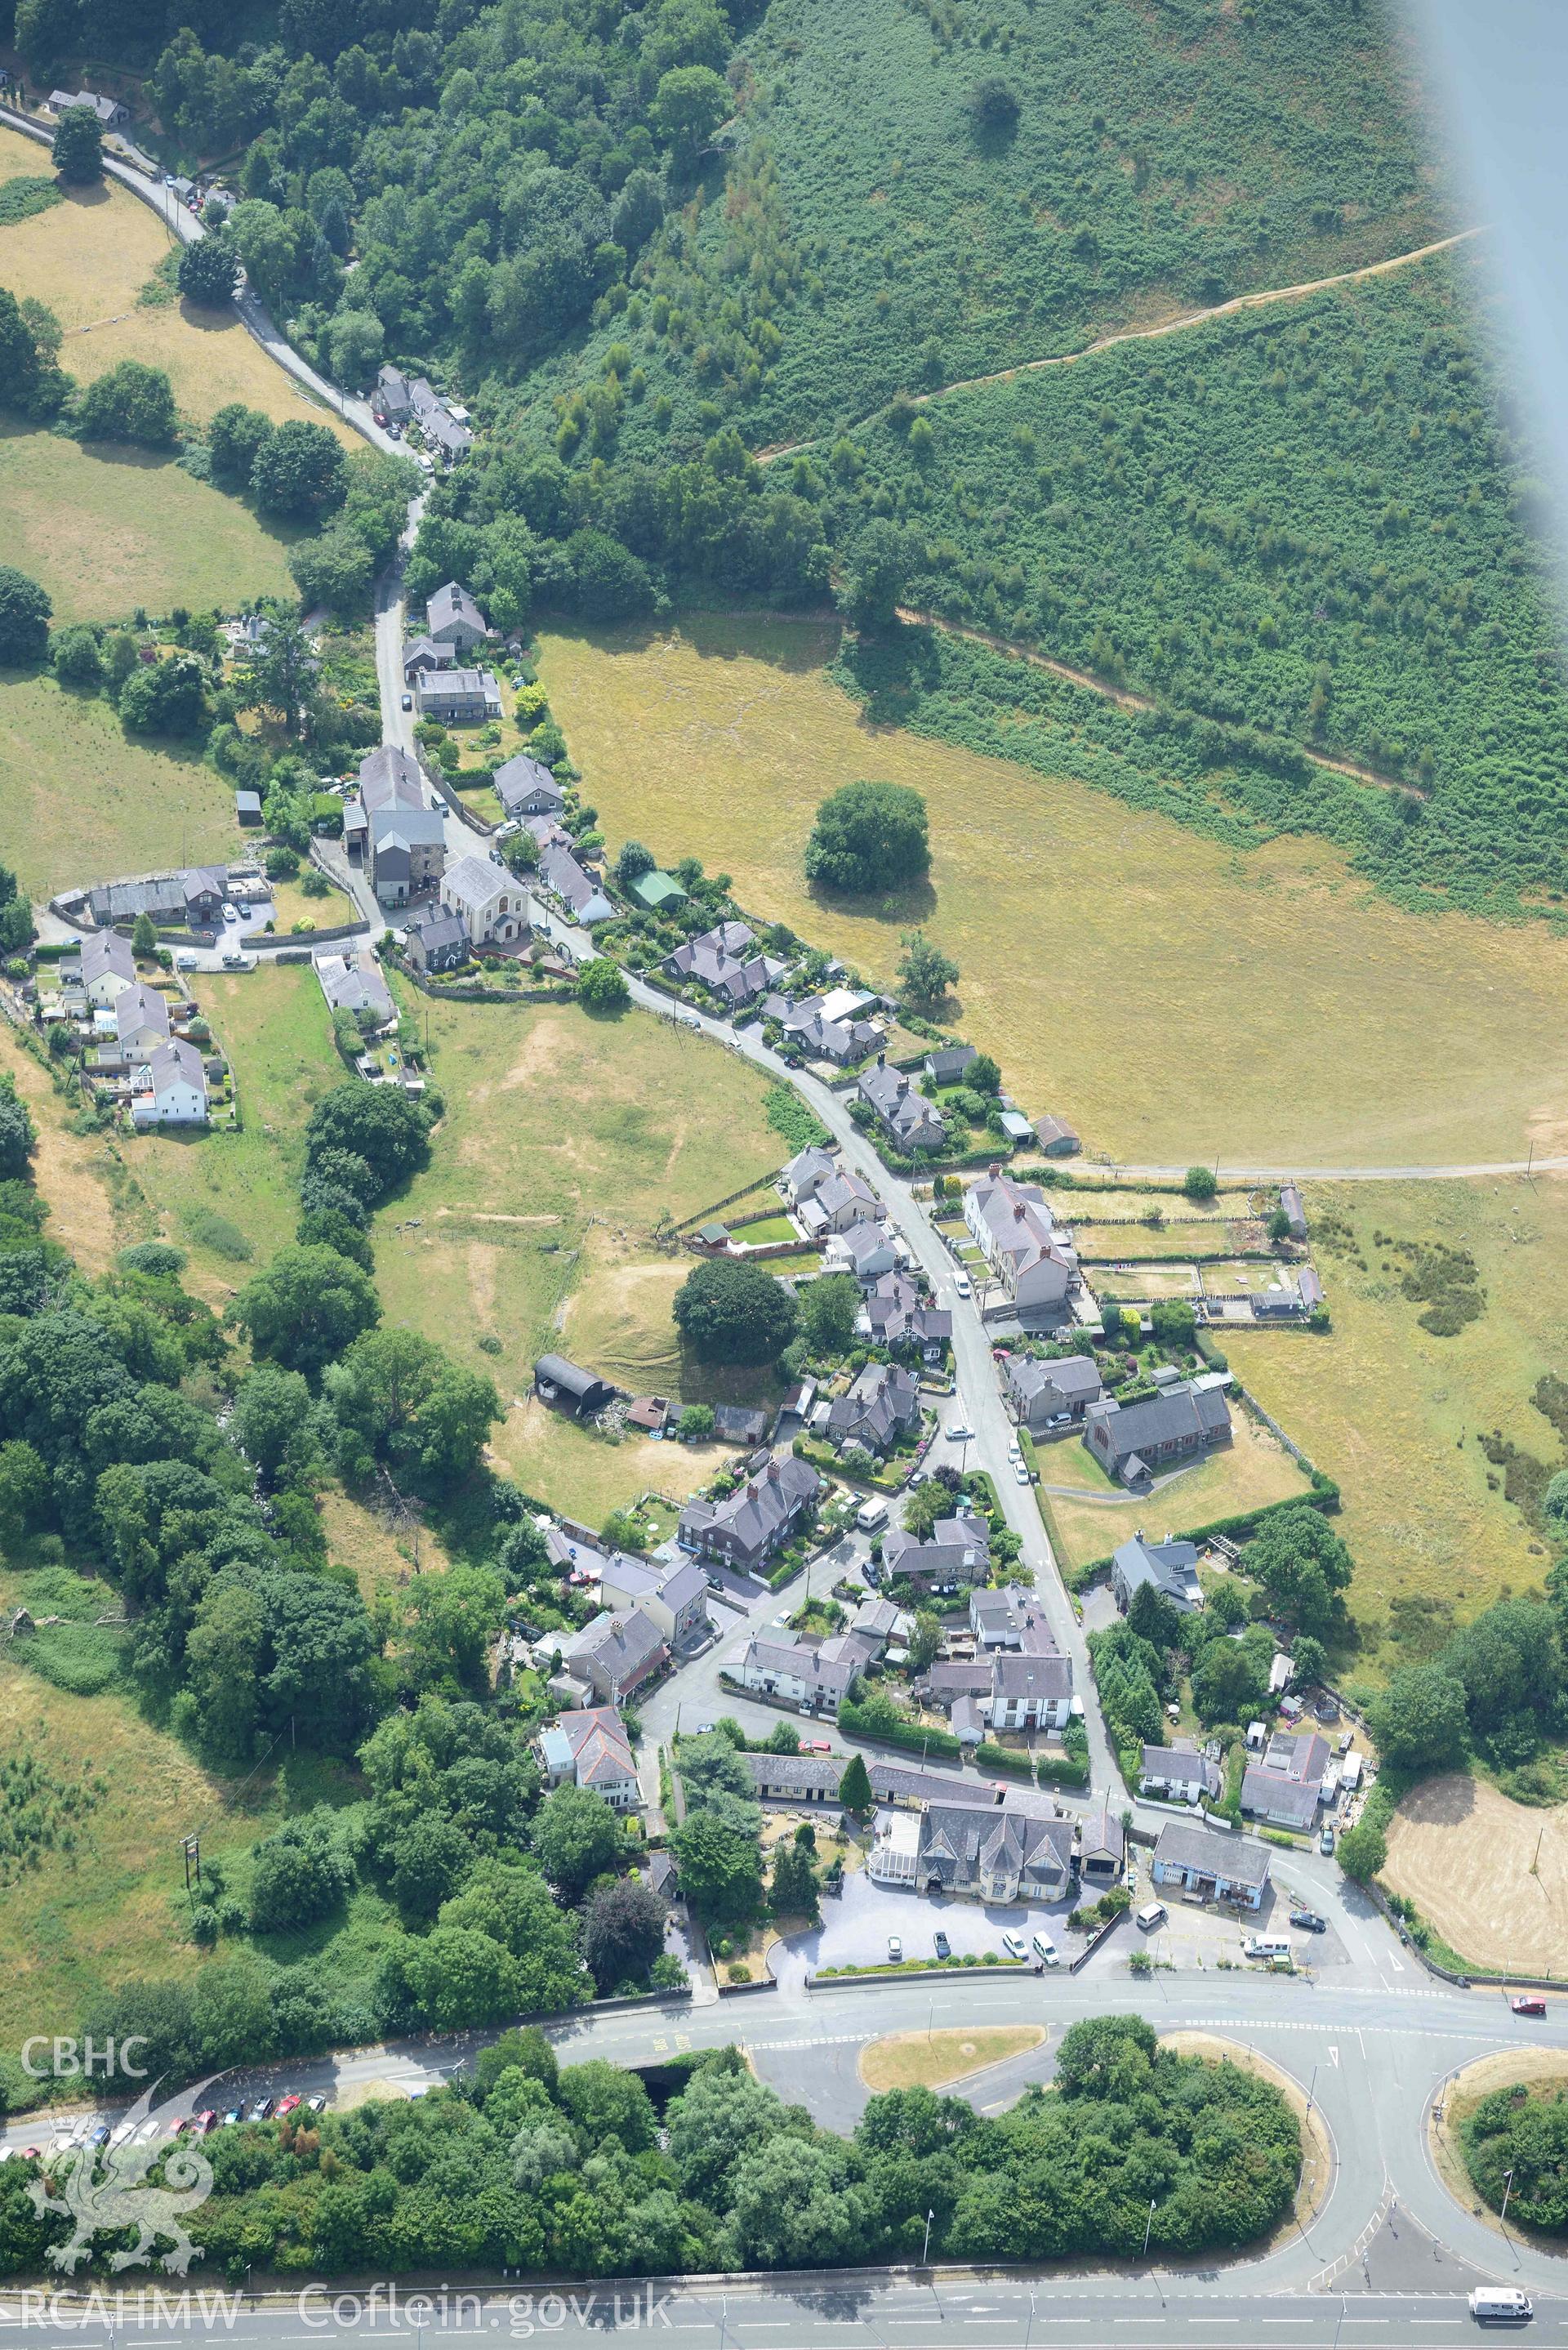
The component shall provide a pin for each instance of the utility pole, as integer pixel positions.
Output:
(1148, 2227)
(1507, 2191)
(191, 1847)
(925, 2247)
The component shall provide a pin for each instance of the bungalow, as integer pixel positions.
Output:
(490, 901)
(615, 1655)
(458, 697)
(1134, 1441)
(798, 1671)
(1055, 1137)
(453, 619)
(525, 786)
(577, 891)
(1045, 1394)
(172, 1090)
(956, 1551)
(1018, 1237)
(1285, 1786)
(109, 110)
(140, 1021)
(1177, 1773)
(1215, 1868)
(883, 1403)
(108, 966)
(589, 1748)
(794, 1778)
(720, 961)
(949, 1064)
(1170, 1567)
(757, 1519)
(582, 1393)
(910, 1122)
(437, 941)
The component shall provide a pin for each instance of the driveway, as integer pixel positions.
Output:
(856, 1926)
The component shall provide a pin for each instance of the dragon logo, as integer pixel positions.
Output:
(103, 2189)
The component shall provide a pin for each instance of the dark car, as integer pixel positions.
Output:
(1309, 1919)
(942, 1946)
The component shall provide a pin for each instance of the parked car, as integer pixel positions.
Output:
(960, 1432)
(206, 2120)
(407, 702)
(963, 1285)
(318, 2105)
(895, 1948)
(118, 2136)
(232, 959)
(187, 963)
(1309, 1920)
(1325, 1840)
(261, 2109)
(818, 1746)
(1020, 1472)
(286, 2104)
(1044, 1948)
(98, 2134)
(1528, 2002)
(149, 2129)
(1014, 1945)
(234, 2115)
(940, 1944)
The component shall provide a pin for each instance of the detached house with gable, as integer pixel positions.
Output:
(758, 1519)
(883, 1403)
(909, 1121)
(453, 619)
(1018, 1237)
(1136, 1441)
(589, 1748)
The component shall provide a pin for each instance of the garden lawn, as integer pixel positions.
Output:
(109, 529)
(82, 800)
(88, 259)
(1243, 1475)
(272, 1025)
(1258, 1005)
(578, 1470)
(1392, 1412)
(564, 1139)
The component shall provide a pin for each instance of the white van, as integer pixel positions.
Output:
(1268, 1947)
(1504, 2303)
(1152, 1914)
(872, 1515)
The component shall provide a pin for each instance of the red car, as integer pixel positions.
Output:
(1528, 2002)
(287, 2106)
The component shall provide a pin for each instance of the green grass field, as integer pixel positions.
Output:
(1175, 996)
(80, 801)
(109, 529)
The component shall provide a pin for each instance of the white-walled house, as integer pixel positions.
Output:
(490, 901)
(175, 1091)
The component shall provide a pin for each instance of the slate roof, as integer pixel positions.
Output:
(1180, 1765)
(176, 1062)
(977, 1839)
(453, 603)
(1170, 1567)
(1273, 1795)
(757, 1512)
(107, 950)
(908, 1115)
(521, 779)
(946, 1065)
(1075, 1378)
(623, 1647)
(1178, 1411)
(566, 878)
(1016, 1227)
(807, 1170)
(475, 880)
(1238, 1860)
(389, 779)
(139, 1008)
(883, 1399)
(1100, 1831)
(954, 1547)
(828, 1676)
(802, 1774)
(599, 1746)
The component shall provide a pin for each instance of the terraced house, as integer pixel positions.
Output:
(1018, 1237)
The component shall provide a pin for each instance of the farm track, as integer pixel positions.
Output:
(1262, 299)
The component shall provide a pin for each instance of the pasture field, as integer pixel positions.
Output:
(564, 1139)
(273, 1025)
(76, 1174)
(1490, 1874)
(109, 529)
(1104, 1244)
(80, 800)
(1393, 1412)
(1243, 1475)
(1175, 996)
(89, 258)
(578, 1471)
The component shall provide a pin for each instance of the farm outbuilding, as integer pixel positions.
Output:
(570, 1388)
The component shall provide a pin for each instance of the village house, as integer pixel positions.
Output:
(458, 697)
(810, 1030)
(350, 979)
(524, 786)
(883, 1403)
(188, 899)
(1285, 1786)
(422, 655)
(443, 424)
(865, 1250)
(894, 1314)
(797, 1671)
(104, 969)
(1169, 1566)
(140, 1021)
(1047, 1395)
(949, 1065)
(589, 1748)
(757, 1519)
(1017, 1235)
(1214, 1867)
(614, 1655)
(674, 1598)
(1011, 1618)
(1003, 1688)
(388, 820)
(744, 1424)
(1133, 1442)
(1005, 1854)
(1177, 1773)
(910, 1122)
(794, 1778)
(721, 960)
(436, 941)
(171, 1087)
(109, 110)
(835, 1201)
(491, 903)
(956, 1551)
(452, 617)
(800, 1177)
(581, 895)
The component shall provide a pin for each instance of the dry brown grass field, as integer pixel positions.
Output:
(1491, 1875)
(1174, 999)
(936, 2059)
(1245, 1474)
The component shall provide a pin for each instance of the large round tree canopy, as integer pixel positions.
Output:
(870, 836)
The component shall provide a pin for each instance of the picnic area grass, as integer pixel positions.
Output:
(565, 1138)
(109, 529)
(1393, 1412)
(1264, 1005)
(933, 2060)
(82, 800)
(1251, 1471)
(272, 1023)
